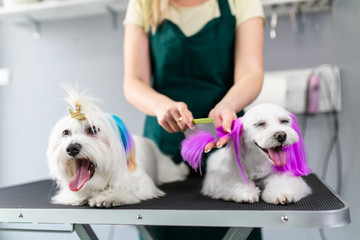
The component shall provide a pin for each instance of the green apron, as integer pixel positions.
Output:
(197, 70)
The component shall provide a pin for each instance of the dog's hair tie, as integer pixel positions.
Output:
(77, 114)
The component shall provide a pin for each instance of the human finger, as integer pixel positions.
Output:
(167, 127)
(177, 121)
(227, 116)
(209, 146)
(227, 123)
(186, 115)
(168, 123)
(222, 141)
(174, 125)
(181, 123)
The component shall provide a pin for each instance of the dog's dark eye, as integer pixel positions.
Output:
(284, 121)
(260, 124)
(93, 130)
(66, 133)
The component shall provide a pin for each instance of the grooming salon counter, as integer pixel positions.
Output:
(183, 205)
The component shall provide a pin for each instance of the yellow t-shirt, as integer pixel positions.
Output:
(192, 19)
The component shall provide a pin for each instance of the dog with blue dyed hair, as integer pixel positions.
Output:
(96, 161)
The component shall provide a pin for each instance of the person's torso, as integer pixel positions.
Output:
(197, 70)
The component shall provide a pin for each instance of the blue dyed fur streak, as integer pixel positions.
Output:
(124, 134)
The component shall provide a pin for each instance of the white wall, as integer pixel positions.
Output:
(87, 51)
(90, 51)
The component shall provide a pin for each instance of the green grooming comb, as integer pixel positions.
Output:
(204, 124)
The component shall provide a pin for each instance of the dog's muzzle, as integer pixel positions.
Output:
(84, 168)
(84, 171)
(73, 149)
(280, 136)
(276, 154)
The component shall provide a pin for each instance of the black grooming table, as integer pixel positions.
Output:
(183, 205)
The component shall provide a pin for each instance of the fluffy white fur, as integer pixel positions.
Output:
(223, 179)
(114, 182)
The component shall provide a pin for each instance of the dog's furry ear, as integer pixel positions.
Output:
(192, 148)
(127, 141)
(236, 137)
(296, 155)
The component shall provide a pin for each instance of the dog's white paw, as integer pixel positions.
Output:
(279, 197)
(65, 197)
(284, 189)
(284, 199)
(74, 202)
(113, 198)
(246, 194)
(94, 202)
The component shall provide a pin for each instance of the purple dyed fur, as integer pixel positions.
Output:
(193, 146)
(296, 155)
(237, 132)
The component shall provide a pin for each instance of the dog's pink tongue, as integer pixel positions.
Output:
(278, 156)
(81, 175)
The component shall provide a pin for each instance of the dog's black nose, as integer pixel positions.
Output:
(73, 149)
(280, 136)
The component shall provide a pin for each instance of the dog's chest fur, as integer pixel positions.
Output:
(255, 164)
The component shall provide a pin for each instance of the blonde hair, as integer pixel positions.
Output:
(156, 13)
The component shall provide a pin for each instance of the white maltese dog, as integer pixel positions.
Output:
(95, 160)
(266, 157)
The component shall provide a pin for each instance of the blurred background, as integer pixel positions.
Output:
(42, 46)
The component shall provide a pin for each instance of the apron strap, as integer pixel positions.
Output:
(224, 8)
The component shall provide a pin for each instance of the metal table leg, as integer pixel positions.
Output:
(238, 233)
(85, 232)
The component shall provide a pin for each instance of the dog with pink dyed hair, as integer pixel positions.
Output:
(265, 158)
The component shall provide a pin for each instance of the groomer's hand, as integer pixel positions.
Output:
(174, 116)
(223, 115)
